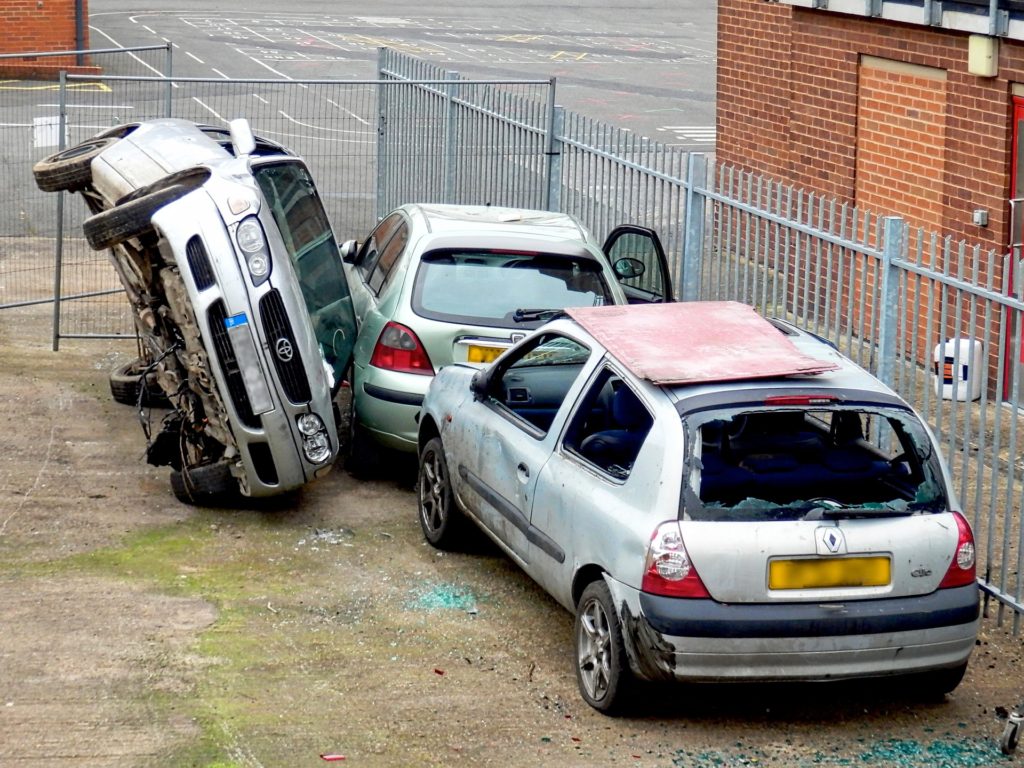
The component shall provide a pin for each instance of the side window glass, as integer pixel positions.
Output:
(533, 387)
(388, 257)
(368, 255)
(610, 426)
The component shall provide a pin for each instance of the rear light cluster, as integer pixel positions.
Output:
(398, 349)
(962, 570)
(668, 569)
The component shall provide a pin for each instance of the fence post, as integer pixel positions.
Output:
(58, 257)
(556, 129)
(888, 298)
(693, 229)
(170, 83)
(382, 157)
(450, 92)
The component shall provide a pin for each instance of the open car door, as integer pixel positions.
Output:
(638, 260)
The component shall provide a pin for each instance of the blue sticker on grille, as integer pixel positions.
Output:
(235, 320)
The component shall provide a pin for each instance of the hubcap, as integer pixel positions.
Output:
(433, 484)
(594, 651)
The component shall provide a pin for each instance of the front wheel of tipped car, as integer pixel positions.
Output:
(602, 669)
(441, 522)
(70, 170)
(206, 485)
(130, 218)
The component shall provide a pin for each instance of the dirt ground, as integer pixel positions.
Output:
(136, 631)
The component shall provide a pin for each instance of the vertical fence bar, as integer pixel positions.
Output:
(693, 229)
(58, 258)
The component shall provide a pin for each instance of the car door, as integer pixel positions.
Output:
(600, 484)
(373, 261)
(515, 427)
(312, 249)
(639, 262)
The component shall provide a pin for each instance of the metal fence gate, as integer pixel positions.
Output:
(891, 297)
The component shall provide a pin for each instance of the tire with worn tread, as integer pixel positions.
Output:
(209, 484)
(70, 170)
(602, 669)
(442, 522)
(130, 219)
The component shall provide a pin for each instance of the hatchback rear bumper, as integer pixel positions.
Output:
(705, 641)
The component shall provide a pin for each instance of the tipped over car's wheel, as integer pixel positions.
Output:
(208, 484)
(70, 170)
(133, 217)
(602, 669)
(441, 521)
(128, 387)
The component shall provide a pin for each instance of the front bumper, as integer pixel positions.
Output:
(705, 641)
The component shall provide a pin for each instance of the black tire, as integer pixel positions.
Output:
(189, 177)
(70, 170)
(602, 669)
(442, 522)
(126, 383)
(362, 454)
(207, 485)
(130, 219)
(1011, 737)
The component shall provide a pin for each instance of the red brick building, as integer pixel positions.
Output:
(911, 107)
(43, 25)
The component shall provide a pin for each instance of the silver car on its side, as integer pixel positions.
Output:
(714, 496)
(438, 284)
(229, 262)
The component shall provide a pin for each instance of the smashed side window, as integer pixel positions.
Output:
(779, 464)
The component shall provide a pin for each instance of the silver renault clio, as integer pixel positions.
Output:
(714, 496)
(228, 259)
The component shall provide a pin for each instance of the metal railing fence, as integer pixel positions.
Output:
(888, 295)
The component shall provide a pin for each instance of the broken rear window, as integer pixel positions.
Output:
(779, 464)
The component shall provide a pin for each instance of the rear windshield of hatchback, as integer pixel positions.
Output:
(809, 464)
(489, 287)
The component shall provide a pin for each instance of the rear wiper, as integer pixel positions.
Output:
(527, 315)
(844, 513)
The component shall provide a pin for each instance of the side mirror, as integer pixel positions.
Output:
(241, 137)
(478, 384)
(348, 251)
(627, 268)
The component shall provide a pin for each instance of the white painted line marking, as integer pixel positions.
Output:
(210, 109)
(193, 56)
(118, 45)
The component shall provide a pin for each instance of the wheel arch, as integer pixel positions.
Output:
(428, 431)
(584, 576)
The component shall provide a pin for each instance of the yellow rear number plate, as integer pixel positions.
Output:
(480, 354)
(830, 572)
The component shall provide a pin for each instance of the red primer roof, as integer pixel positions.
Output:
(696, 341)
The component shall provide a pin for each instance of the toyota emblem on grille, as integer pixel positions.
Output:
(284, 350)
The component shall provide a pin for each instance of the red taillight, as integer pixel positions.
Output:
(962, 570)
(398, 349)
(668, 570)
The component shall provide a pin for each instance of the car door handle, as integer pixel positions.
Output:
(523, 471)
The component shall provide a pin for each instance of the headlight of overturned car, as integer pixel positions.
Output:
(253, 243)
(316, 445)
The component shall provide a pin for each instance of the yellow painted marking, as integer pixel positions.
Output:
(569, 55)
(100, 87)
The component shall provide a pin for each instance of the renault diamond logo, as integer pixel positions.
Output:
(284, 350)
(832, 539)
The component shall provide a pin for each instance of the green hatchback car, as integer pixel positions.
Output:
(439, 284)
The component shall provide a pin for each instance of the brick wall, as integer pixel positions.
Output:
(41, 25)
(788, 105)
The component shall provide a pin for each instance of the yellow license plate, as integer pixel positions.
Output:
(829, 572)
(477, 353)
